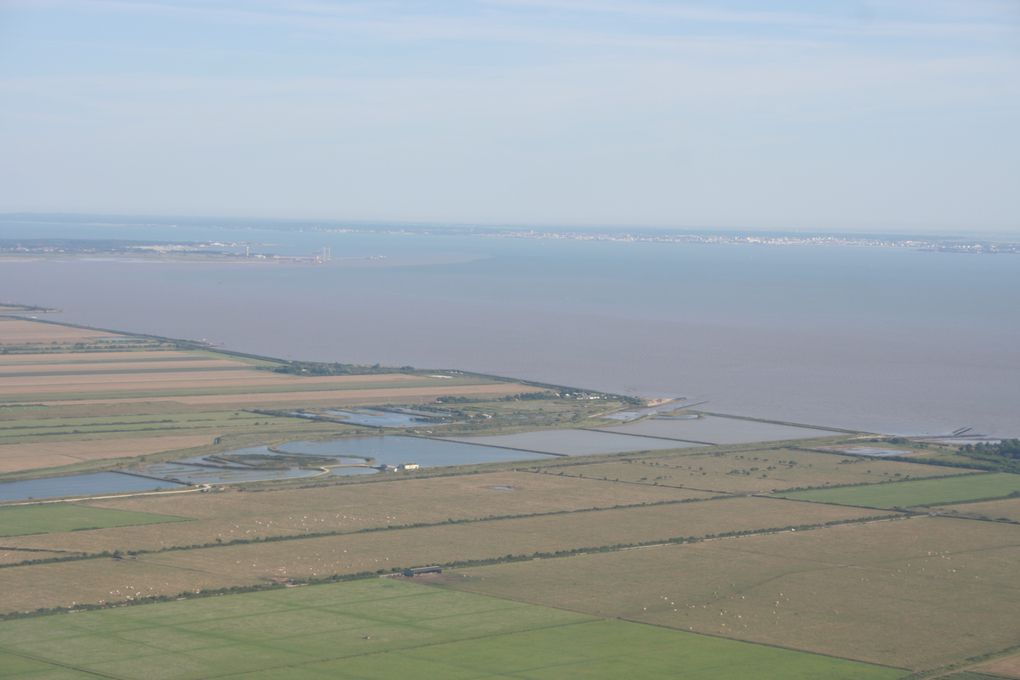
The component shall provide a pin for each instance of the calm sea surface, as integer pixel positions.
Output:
(879, 339)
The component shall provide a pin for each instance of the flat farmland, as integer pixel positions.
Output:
(76, 409)
(245, 515)
(352, 395)
(199, 378)
(319, 557)
(10, 555)
(39, 455)
(24, 332)
(916, 593)
(109, 357)
(122, 366)
(187, 382)
(750, 471)
(1006, 667)
(920, 492)
(1007, 509)
(719, 430)
(383, 628)
(64, 517)
(65, 584)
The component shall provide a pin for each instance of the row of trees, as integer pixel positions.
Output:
(1007, 448)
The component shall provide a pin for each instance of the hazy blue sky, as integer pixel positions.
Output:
(882, 114)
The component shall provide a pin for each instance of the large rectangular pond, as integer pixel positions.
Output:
(91, 484)
(379, 418)
(397, 450)
(575, 442)
(719, 430)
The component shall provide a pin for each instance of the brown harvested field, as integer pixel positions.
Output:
(145, 381)
(125, 366)
(22, 332)
(1006, 509)
(752, 471)
(918, 592)
(38, 455)
(1007, 667)
(236, 514)
(111, 357)
(349, 396)
(9, 556)
(355, 553)
(101, 580)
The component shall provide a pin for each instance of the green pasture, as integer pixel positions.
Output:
(920, 492)
(50, 518)
(382, 628)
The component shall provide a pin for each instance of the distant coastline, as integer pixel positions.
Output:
(241, 249)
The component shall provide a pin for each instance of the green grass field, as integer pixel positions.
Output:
(382, 628)
(917, 492)
(57, 517)
(917, 593)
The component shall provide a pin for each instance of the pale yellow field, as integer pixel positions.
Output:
(1008, 667)
(86, 367)
(913, 593)
(113, 357)
(1008, 509)
(14, 386)
(233, 515)
(753, 471)
(107, 580)
(438, 544)
(11, 556)
(351, 396)
(22, 332)
(174, 571)
(38, 455)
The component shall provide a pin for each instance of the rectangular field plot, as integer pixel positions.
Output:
(383, 629)
(59, 517)
(169, 573)
(749, 471)
(38, 455)
(1004, 510)
(720, 430)
(24, 332)
(235, 515)
(1006, 667)
(916, 593)
(110, 358)
(574, 442)
(919, 492)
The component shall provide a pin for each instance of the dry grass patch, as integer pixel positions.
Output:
(316, 557)
(319, 397)
(111, 357)
(384, 550)
(245, 515)
(9, 555)
(12, 387)
(66, 584)
(38, 455)
(753, 471)
(120, 366)
(915, 593)
(1007, 667)
(23, 332)
(1007, 509)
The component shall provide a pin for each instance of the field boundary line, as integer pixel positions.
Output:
(805, 426)
(649, 436)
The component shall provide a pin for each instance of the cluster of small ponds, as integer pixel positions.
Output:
(338, 457)
(371, 455)
(370, 417)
